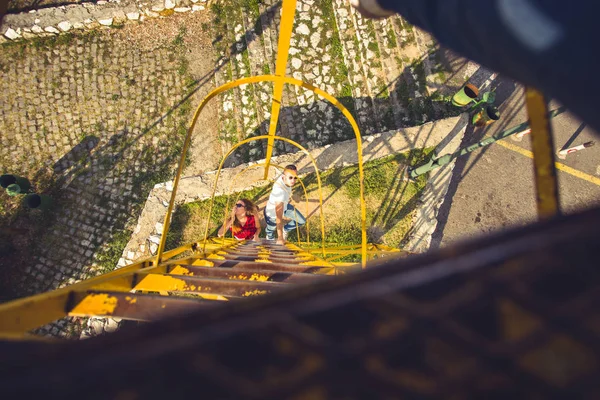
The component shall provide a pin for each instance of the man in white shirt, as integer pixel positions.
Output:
(279, 207)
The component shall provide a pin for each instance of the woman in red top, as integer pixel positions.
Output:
(246, 223)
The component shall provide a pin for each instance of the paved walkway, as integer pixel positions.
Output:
(93, 120)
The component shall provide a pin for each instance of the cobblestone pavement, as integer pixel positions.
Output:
(95, 121)
(387, 73)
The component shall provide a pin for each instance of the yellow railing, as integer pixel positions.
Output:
(291, 81)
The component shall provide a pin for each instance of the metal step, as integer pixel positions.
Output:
(213, 286)
(257, 274)
(133, 306)
(280, 266)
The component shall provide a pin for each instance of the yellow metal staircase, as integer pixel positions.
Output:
(237, 271)
(227, 270)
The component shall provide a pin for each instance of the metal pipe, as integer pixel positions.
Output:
(436, 162)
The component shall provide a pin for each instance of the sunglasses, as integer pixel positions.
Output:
(238, 205)
(292, 178)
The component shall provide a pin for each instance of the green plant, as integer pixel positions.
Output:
(179, 39)
(373, 47)
(183, 66)
(111, 252)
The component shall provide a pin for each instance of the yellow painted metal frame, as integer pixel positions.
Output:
(269, 78)
(288, 12)
(546, 182)
(19, 316)
(260, 164)
(286, 25)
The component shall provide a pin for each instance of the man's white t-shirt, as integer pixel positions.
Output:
(279, 194)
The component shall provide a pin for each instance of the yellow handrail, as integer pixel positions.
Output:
(286, 25)
(270, 78)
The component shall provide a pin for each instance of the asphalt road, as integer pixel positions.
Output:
(493, 188)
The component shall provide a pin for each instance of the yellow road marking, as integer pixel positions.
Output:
(559, 166)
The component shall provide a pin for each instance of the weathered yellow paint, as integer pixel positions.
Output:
(546, 183)
(258, 277)
(156, 283)
(203, 263)
(286, 25)
(95, 304)
(315, 263)
(560, 166)
(215, 257)
(262, 260)
(179, 270)
(253, 277)
(131, 300)
(209, 296)
(255, 292)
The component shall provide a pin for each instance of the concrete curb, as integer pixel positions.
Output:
(88, 16)
(425, 219)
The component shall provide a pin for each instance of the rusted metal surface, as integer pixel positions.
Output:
(271, 258)
(253, 265)
(135, 306)
(192, 284)
(248, 274)
(542, 144)
(510, 316)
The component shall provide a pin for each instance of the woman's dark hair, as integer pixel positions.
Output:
(251, 209)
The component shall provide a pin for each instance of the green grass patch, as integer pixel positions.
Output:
(390, 203)
(109, 255)
(391, 37)
(251, 7)
(337, 51)
(178, 41)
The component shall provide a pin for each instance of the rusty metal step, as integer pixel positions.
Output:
(289, 260)
(246, 274)
(212, 286)
(279, 266)
(134, 306)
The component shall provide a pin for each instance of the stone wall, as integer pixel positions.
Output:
(87, 16)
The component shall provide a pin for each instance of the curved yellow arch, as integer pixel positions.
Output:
(280, 79)
(260, 164)
(261, 137)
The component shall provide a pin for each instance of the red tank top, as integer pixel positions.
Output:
(248, 229)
